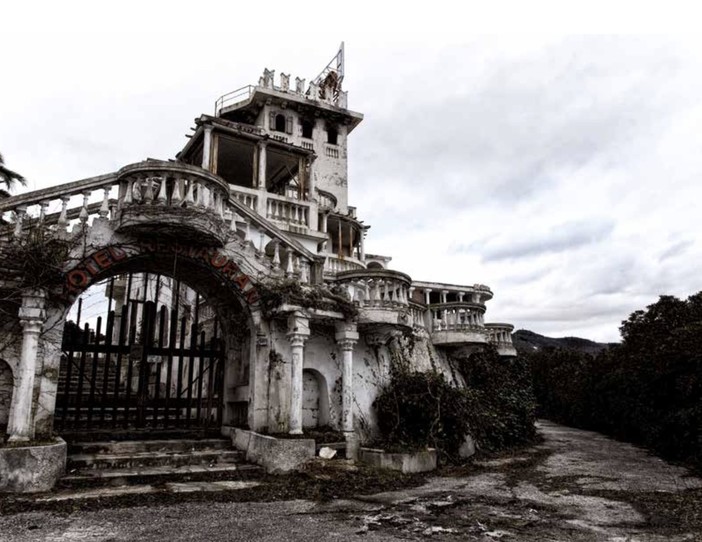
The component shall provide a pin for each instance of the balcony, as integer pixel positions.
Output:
(381, 295)
(501, 336)
(180, 201)
(457, 323)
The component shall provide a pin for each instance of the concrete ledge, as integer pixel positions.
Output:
(423, 461)
(275, 455)
(30, 469)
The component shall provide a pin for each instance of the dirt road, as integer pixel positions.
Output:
(575, 486)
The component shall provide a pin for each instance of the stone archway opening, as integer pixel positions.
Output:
(143, 348)
(6, 387)
(315, 399)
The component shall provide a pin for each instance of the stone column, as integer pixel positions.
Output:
(427, 292)
(361, 245)
(298, 333)
(262, 164)
(346, 337)
(206, 148)
(32, 316)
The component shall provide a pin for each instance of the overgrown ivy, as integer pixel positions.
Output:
(275, 293)
(38, 258)
(422, 409)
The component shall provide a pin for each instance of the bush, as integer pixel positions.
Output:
(417, 410)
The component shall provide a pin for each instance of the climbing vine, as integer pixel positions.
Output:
(275, 293)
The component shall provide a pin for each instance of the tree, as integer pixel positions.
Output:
(8, 179)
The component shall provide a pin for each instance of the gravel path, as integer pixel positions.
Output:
(575, 486)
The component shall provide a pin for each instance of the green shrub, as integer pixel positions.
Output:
(422, 409)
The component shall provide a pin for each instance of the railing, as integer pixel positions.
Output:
(417, 313)
(376, 288)
(233, 97)
(280, 138)
(247, 196)
(457, 316)
(334, 265)
(326, 200)
(169, 184)
(307, 145)
(282, 209)
(500, 334)
(331, 151)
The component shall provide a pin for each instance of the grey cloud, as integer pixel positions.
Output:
(561, 237)
(675, 250)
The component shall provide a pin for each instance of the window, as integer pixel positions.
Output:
(280, 123)
(307, 129)
(332, 135)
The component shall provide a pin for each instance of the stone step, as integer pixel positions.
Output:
(119, 433)
(84, 494)
(151, 459)
(152, 475)
(114, 447)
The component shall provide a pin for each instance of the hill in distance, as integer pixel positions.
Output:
(526, 341)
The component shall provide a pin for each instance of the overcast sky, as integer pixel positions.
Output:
(562, 171)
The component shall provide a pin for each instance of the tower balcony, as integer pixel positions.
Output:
(458, 323)
(176, 200)
(501, 336)
(381, 295)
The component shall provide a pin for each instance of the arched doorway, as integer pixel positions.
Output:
(146, 350)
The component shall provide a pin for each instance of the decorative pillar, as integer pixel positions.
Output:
(444, 294)
(206, 148)
(262, 164)
(361, 245)
(32, 316)
(298, 333)
(310, 179)
(427, 299)
(346, 337)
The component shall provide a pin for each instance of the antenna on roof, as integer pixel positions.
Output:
(336, 65)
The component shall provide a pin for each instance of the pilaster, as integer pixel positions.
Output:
(32, 316)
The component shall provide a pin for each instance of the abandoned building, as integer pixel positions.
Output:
(233, 281)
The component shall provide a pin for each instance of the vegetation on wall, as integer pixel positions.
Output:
(275, 293)
(647, 390)
(422, 409)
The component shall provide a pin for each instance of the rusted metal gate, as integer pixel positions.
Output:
(144, 368)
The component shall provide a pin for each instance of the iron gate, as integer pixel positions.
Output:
(148, 368)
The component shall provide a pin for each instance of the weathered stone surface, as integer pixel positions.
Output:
(423, 461)
(29, 469)
(327, 453)
(275, 455)
(467, 449)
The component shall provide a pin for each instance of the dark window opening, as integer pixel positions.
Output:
(307, 128)
(280, 123)
(332, 135)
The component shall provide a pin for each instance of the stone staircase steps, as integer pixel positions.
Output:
(98, 468)
(162, 445)
(153, 459)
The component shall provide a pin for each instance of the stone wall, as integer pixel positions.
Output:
(6, 382)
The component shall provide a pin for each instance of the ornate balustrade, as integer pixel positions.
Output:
(288, 211)
(59, 207)
(501, 336)
(457, 316)
(247, 196)
(334, 265)
(457, 323)
(326, 200)
(181, 200)
(381, 294)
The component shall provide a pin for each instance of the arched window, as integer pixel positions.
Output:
(280, 122)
